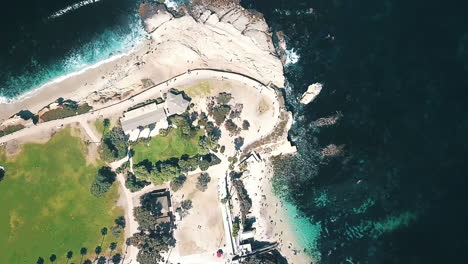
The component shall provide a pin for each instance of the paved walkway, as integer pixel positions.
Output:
(151, 93)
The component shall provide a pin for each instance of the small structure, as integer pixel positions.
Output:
(142, 116)
(176, 104)
(163, 197)
(153, 113)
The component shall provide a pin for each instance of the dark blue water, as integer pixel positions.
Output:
(398, 72)
(39, 45)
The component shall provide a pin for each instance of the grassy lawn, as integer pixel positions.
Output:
(46, 205)
(201, 88)
(99, 124)
(174, 145)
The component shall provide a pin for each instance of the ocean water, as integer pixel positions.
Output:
(397, 74)
(45, 40)
(396, 71)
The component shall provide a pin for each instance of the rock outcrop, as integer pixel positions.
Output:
(213, 34)
(311, 93)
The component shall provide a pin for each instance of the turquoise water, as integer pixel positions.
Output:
(108, 44)
(306, 232)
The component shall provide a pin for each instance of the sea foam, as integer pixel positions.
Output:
(73, 7)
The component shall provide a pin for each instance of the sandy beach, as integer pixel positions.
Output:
(224, 49)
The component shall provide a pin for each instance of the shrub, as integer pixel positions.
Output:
(10, 129)
(71, 108)
(222, 149)
(235, 227)
(202, 181)
(186, 204)
(178, 182)
(220, 112)
(231, 127)
(245, 125)
(238, 143)
(103, 181)
(223, 98)
(203, 119)
(114, 145)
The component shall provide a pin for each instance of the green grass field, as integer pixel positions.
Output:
(46, 205)
(174, 145)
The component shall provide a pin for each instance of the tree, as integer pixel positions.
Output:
(103, 233)
(116, 258)
(231, 127)
(2, 173)
(87, 262)
(98, 251)
(69, 255)
(101, 260)
(106, 122)
(203, 180)
(120, 221)
(238, 143)
(53, 258)
(245, 125)
(40, 260)
(103, 181)
(83, 252)
(112, 247)
(223, 98)
(220, 112)
(178, 182)
(114, 145)
(132, 183)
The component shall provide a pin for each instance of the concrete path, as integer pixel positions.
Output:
(151, 93)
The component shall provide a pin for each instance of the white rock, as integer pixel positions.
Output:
(311, 93)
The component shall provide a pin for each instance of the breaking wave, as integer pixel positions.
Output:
(73, 7)
(111, 44)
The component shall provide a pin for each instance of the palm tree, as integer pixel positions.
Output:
(103, 233)
(127, 243)
(53, 258)
(69, 255)
(98, 251)
(40, 261)
(116, 258)
(112, 247)
(83, 252)
(101, 260)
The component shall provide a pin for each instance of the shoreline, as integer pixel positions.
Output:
(57, 80)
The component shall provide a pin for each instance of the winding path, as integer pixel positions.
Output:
(151, 93)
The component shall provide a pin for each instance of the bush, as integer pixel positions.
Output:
(66, 110)
(10, 129)
(103, 181)
(208, 161)
(231, 127)
(115, 145)
(26, 115)
(222, 149)
(238, 143)
(133, 184)
(203, 180)
(245, 125)
(178, 182)
(220, 113)
(186, 204)
(203, 119)
(223, 98)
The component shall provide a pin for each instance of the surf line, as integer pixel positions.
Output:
(73, 7)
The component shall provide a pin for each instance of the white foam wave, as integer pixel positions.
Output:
(73, 7)
(292, 56)
(91, 56)
(171, 4)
